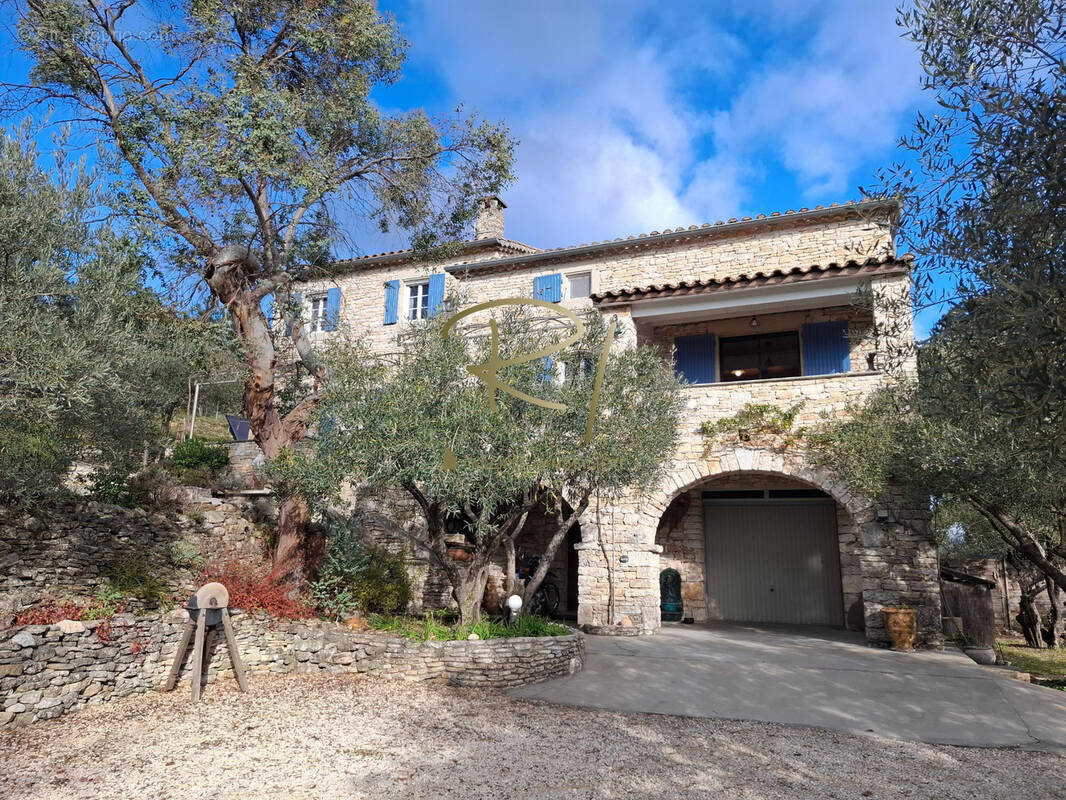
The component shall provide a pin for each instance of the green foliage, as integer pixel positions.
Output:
(153, 488)
(358, 577)
(984, 431)
(139, 575)
(437, 627)
(241, 130)
(108, 485)
(91, 360)
(196, 454)
(388, 422)
(186, 553)
(760, 421)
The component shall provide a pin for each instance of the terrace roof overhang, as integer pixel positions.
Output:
(796, 289)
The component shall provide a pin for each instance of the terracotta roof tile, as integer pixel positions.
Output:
(872, 265)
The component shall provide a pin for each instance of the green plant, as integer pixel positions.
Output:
(109, 485)
(758, 420)
(440, 627)
(107, 602)
(153, 489)
(186, 553)
(334, 593)
(357, 575)
(195, 455)
(137, 575)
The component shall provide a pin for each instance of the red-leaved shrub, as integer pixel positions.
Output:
(263, 588)
(50, 612)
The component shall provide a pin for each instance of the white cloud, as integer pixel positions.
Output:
(637, 117)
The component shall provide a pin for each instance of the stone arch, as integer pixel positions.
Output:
(757, 461)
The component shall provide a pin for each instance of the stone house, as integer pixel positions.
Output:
(753, 311)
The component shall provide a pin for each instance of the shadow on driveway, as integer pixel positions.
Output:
(811, 676)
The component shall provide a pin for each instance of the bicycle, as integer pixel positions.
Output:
(545, 601)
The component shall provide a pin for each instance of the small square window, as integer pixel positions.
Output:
(318, 312)
(579, 285)
(418, 300)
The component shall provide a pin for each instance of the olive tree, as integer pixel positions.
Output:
(240, 130)
(985, 426)
(477, 460)
(92, 361)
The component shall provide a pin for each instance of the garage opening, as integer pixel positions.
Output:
(772, 555)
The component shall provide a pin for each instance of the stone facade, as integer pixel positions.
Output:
(47, 670)
(773, 273)
(65, 552)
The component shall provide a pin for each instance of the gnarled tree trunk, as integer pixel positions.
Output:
(1029, 617)
(1051, 632)
(230, 274)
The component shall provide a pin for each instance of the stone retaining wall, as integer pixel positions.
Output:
(65, 551)
(46, 670)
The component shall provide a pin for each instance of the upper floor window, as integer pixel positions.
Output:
(418, 300)
(578, 285)
(319, 313)
(765, 355)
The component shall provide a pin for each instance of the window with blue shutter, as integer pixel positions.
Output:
(548, 287)
(333, 310)
(547, 372)
(436, 292)
(392, 302)
(826, 348)
(694, 358)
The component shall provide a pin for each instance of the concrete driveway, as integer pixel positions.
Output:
(815, 677)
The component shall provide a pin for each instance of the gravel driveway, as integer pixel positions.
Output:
(349, 737)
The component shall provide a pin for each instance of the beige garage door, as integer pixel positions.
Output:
(773, 561)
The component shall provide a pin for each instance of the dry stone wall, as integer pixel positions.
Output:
(66, 551)
(46, 671)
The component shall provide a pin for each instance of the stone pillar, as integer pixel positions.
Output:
(618, 573)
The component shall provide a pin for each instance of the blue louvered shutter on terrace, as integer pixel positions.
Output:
(548, 287)
(333, 310)
(436, 292)
(392, 302)
(694, 358)
(826, 348)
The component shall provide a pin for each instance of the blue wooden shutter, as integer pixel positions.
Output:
(826, 348)
(694, 358)
(548, 287)
(547, 373)
(392, 302)
(298, 299)
(333, 310)
(436, 292)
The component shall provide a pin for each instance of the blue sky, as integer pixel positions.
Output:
(636, 116)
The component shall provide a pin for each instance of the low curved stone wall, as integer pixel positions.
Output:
(46, 670)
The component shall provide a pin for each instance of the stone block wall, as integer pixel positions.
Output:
(65, 551)
(46, 671)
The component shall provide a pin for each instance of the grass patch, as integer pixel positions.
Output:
(1042, 663)
(442, 628)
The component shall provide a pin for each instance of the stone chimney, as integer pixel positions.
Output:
(489, 218)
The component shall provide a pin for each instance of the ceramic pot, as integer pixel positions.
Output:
(902, 627)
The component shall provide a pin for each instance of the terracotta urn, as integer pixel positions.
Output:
(902, 627)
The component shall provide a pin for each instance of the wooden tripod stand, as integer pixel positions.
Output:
(208, 608)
